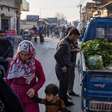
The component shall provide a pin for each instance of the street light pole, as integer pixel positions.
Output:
(80, 11)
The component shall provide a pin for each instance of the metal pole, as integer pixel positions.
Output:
(80, 11)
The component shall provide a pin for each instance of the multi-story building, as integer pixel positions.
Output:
(10, 11)
(104, 7)
(107, 4)
(9, 14)
(87, 12)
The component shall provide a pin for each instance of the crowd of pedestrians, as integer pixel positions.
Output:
(24, 76)
(34, 32)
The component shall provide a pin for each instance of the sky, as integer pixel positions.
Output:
(49, 8)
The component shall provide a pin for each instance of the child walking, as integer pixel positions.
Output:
(52, 102)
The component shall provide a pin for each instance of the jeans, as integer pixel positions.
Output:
(63, 82)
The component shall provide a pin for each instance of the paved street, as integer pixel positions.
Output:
(45, 53)
(89, 21)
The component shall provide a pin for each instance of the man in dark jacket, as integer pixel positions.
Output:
(64, 63)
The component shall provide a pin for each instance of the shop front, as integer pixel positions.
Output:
(5, 23)
(8, 19)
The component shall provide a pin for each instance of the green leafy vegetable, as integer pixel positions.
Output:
(98, 47)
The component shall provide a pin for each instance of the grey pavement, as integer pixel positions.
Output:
(45, 53)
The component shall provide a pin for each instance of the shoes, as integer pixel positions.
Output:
(68, 97)
(72, 93)
(68, 103)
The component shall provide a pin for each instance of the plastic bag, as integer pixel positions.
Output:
(95, 62)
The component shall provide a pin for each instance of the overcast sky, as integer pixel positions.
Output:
(49, 8)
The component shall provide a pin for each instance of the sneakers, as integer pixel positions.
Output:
(72, 93)
(68, 97)
(68, 103)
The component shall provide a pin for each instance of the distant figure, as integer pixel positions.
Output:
(34, 29)
(26, 35)
(41, 34)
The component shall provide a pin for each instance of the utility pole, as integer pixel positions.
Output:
(80, 11)
(80, 6)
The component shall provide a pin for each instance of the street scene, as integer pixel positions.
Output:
(55, 56)
(47, 50)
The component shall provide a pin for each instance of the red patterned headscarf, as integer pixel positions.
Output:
(18, 68)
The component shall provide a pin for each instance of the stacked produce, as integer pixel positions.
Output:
(98, 54)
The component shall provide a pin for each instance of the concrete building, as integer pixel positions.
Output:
(100, 8)
(104, 8)
(10, 11)
(107, 6)
(9, 14)
(87, 12)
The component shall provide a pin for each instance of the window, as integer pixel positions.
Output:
(109, 32)
(104, 32)
(100, 32)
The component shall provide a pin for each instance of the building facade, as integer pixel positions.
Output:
(100, 8)
(107, 5)
(87, 12)
(9, 14)
(104, 8)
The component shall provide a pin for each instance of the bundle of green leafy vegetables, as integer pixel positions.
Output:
(99, 47)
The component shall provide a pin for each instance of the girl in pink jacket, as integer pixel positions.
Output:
(26, 75)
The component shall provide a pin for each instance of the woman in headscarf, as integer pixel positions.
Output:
(23, 73)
